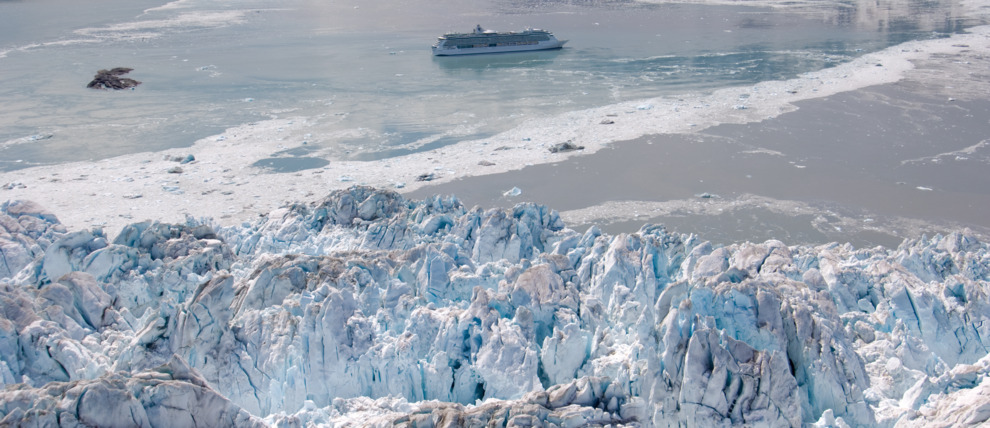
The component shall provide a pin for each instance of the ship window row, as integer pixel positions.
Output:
(483, 45)
(500, 40)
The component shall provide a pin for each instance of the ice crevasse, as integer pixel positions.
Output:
(367, 308)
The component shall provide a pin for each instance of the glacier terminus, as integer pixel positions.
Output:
(368, 309)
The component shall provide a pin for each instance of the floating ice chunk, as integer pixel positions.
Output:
(514, 191)
(567, 146)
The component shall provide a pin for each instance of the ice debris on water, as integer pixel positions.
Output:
(39, 137)
(181, 159)
(14, 185)
(564, 147)
(513, 192)
(173, 189)
(365, 308)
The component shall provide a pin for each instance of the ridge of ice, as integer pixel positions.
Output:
(366, 307)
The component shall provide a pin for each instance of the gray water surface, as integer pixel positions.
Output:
(363, 69)
(870, 167)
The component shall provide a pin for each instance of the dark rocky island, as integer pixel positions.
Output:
(110, 79)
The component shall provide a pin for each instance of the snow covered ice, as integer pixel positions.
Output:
(368, 308)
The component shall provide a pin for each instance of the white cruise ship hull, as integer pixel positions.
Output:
(550, 44)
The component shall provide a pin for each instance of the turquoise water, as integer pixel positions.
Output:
(363, 69)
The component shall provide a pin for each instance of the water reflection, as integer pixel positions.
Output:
(891, 15)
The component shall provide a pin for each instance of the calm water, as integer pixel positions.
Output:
(364, 69)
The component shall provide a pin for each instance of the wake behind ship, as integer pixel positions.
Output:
(482, 41)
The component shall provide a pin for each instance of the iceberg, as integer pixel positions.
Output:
(368, 308)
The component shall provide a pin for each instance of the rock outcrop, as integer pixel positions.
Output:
(110, 79)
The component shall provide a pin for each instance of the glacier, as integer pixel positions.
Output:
(365, 308)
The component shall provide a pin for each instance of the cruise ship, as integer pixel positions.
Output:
(482, 41)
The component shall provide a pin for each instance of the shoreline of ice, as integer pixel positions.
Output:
(221, 180)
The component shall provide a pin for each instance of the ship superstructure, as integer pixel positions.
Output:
(486, 41)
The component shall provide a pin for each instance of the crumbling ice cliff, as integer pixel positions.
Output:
(368, 308)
